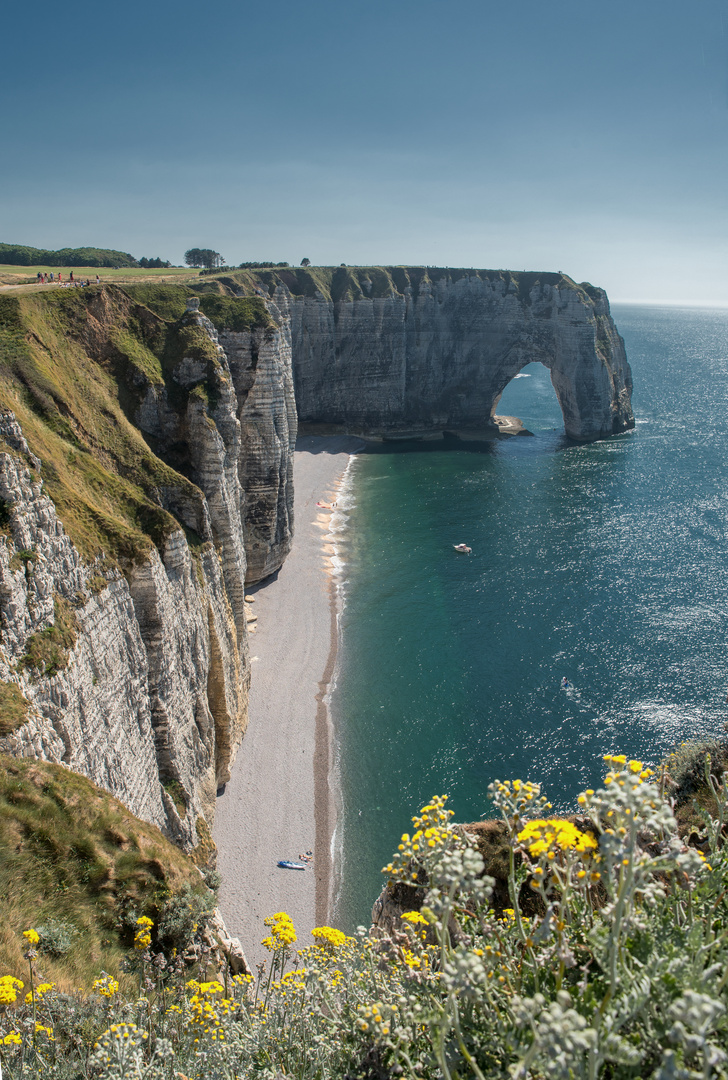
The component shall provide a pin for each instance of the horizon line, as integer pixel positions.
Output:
(671, 303)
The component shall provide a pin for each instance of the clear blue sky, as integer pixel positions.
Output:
(571, 135)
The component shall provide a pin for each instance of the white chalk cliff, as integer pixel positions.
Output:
(396, 350)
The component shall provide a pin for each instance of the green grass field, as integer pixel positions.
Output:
(21, 275)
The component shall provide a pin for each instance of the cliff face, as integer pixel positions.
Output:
(261, 370)
(123, 641)
(245, 468)
(393, 350)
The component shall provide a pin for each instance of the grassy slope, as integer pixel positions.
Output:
(71, 852)
(355, 282)
(67, 365)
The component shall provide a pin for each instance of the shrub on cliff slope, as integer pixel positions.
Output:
(75, 861)
(619, 973)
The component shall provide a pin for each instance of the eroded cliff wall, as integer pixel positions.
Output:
(123, 640)
(390, 350)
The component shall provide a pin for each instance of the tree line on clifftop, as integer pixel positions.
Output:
(21, 255)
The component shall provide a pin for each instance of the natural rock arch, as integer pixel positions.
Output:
(590, 402)
(411, 351)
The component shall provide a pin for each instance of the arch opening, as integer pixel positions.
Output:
(531, 397)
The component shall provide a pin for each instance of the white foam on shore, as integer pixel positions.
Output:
(337, 537)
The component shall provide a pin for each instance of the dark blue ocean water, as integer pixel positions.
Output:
(606, 563)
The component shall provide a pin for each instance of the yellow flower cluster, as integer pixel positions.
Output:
(41, 1029)
(9, 987)
(432, 834)
(205, 988)
(434, 813)
(294, 979)
(412, 961)
(143, 937)
(12, 1039)
(327, 935)
(414, 917)
(206, 1016)
(547, 837)
(32, 936)
(282, 933)
(40, 991)
(519, 789)
(106, 986)
(636, 770)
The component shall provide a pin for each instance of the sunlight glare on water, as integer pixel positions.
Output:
(607, 563)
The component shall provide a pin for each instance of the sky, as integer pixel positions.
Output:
(577, 136)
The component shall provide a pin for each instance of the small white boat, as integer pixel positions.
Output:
(286, 864)
(464, 548)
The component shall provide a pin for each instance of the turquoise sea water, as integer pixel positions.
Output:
(606, 563)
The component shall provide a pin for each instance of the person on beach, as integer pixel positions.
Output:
(71, 277)
(98, 280)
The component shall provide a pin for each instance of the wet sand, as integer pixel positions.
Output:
(279, 802)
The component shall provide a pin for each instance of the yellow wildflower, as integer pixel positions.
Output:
(545, 837)
(283, 932)
(9, 987)
(414, 917)
(327, 935)
(40, 991)
(106, 986)
(143, 938)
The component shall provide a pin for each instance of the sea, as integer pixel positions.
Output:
(604, 563)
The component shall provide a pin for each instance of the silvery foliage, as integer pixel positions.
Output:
(694, 1019)
(562, 1038)
(457, 871)
(464, 973)
(120, 1055)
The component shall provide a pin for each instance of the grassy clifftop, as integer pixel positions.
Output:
(74, 365)
(375, 282)
(74, 860)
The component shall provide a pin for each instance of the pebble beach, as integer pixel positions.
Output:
(279, 802)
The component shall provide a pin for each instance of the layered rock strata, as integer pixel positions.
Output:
(243, 462)
(388, 351)
(262, 375)
(140, 683)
